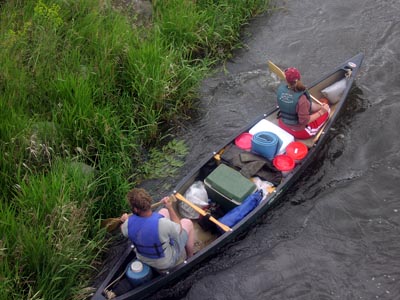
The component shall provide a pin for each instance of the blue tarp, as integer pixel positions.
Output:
(239, 212)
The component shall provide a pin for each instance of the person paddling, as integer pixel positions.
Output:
(299, 115)
(161, 239)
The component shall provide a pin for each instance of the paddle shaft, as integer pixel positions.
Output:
(113, 223)
(275, 69)
(153, 206)
(202, 212)
(321, 131)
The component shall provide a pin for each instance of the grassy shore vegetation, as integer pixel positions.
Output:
(87, 100)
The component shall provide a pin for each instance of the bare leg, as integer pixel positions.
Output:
(164, 212)
(187, 224)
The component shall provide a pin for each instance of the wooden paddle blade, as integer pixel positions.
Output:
(111, 224)
(276, 70)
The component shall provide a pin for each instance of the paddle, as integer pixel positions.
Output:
(202, 212)
(113, 223)
(281, 75)
(321, 131)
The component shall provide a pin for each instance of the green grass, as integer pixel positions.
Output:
(88, 102)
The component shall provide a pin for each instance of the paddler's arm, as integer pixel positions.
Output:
(124, 224)
(172, 214)
(324, 109)
(303, 111)
(124, 217)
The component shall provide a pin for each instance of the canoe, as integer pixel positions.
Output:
(230, 184)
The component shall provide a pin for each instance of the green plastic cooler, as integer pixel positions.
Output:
(228, 187)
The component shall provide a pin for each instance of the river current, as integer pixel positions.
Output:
(336, 235)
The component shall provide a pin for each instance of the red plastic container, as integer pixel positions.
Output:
(243, 141)
(284, 163)
(297, 151)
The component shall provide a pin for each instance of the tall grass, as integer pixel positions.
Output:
(48, 240)
(87, 102)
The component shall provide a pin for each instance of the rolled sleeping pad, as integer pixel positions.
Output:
(266, 144)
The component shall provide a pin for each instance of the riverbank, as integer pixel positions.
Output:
(89, 98)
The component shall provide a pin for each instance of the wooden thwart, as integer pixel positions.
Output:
(202, 212)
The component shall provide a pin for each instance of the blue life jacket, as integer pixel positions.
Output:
(287, 102)
(143, 233)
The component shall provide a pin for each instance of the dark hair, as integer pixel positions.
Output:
(140, 199)
(298, 86)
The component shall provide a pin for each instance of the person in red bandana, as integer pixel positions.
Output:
(299, 115)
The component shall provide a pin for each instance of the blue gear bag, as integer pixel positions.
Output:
(239, 212)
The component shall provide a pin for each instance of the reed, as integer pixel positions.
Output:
(88, 102)
(48, 241)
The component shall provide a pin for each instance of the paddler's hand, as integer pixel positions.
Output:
(324, 108)
(167, 202)
(124, 217)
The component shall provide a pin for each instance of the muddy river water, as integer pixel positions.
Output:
(336, 235)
